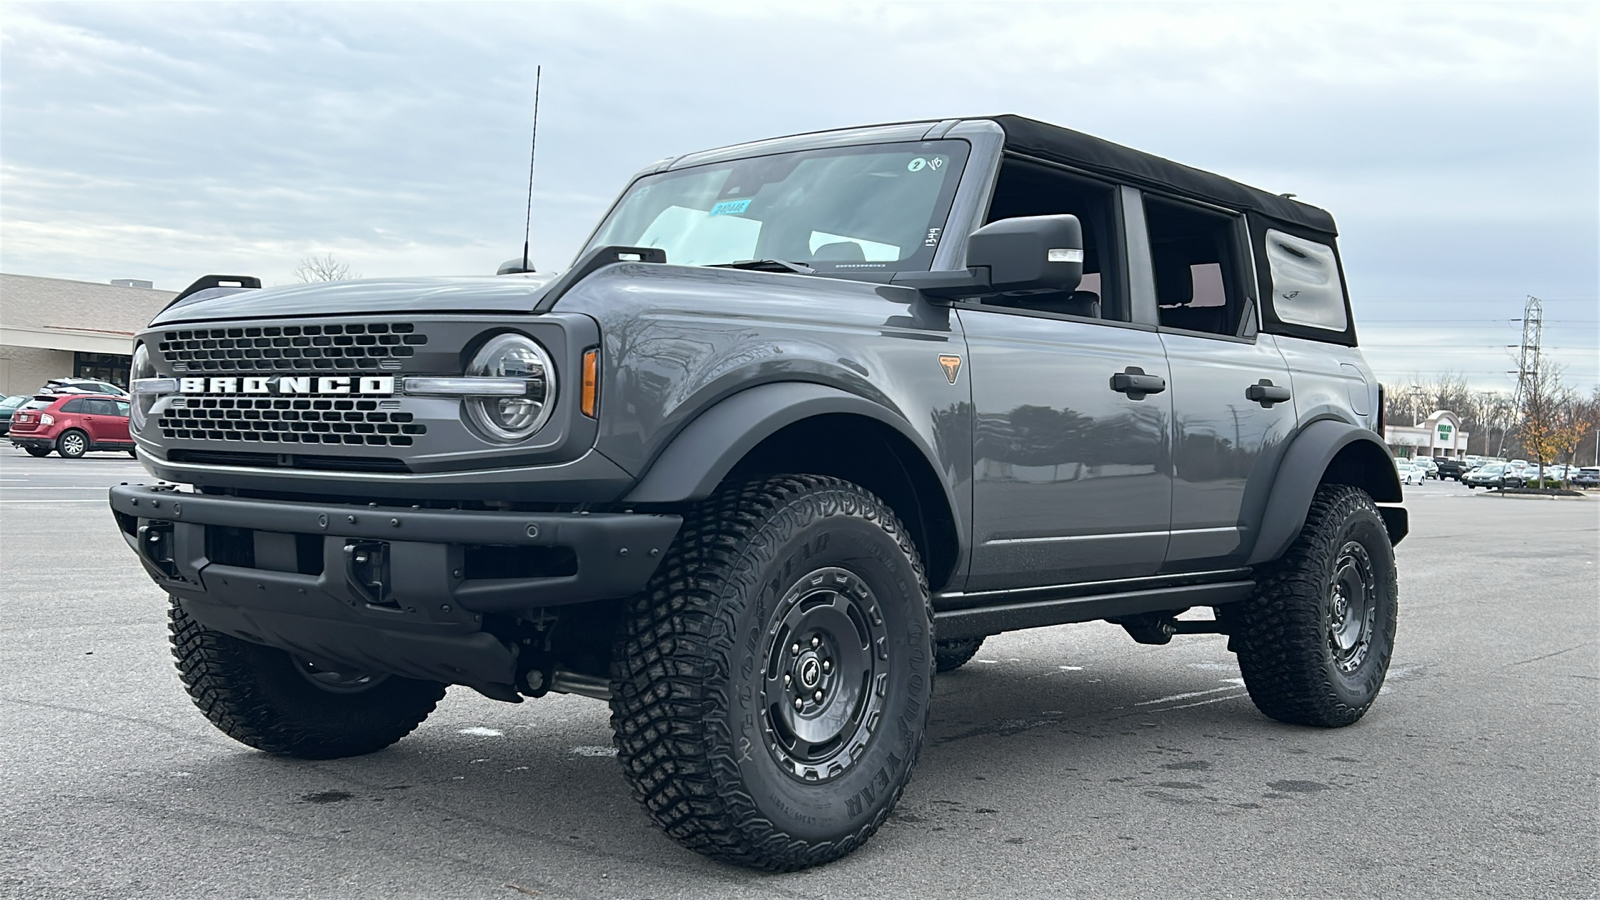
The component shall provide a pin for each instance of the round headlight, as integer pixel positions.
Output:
(511, 419)
(141, 367)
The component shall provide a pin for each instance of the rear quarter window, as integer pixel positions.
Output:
(1306, 287)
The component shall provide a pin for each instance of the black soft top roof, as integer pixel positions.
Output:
(1030, 137)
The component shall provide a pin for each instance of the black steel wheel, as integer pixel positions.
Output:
(951, 655)
(821, 693)
(72, 443)
(770, 691)
(1314, 640)
(272, 701)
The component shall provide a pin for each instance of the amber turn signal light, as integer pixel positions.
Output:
(590, 398)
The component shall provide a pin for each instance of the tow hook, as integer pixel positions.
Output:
(155, 545)
(367, 563)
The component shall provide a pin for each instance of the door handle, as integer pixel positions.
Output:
(1266, 393)
(1136, 384)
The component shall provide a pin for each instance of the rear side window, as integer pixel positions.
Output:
(1306, 288)
(1196, 258)
(80, 406)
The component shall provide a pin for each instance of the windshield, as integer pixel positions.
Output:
(846, 209)
(12, 402)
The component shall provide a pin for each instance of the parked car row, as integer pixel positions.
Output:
(1476, 472)
(71, 424)
(49, 419)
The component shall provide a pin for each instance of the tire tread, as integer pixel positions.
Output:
(679, 634)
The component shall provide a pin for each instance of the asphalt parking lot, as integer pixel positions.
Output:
(1065, 762)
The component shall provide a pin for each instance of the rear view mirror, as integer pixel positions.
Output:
(1029, 254)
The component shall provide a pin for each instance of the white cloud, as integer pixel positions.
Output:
(1455, 144)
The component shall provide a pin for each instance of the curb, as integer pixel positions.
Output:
(1529, 497)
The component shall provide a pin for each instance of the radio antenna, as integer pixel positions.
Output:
(533, 147)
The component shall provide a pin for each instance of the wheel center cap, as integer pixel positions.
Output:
(810, 671)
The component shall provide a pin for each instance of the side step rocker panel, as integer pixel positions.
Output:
(1058, 610)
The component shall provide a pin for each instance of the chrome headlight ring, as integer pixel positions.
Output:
(509, 419)
(140, 368)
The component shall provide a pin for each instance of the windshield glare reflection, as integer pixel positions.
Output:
(873, 208)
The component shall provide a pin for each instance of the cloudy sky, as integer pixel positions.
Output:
(1457, 144)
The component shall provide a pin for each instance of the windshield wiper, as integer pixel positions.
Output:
(768, 265)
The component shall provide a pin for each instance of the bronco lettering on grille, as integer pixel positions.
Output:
(366, 385)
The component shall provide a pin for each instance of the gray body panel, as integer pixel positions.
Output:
(1225, 446)
(387, 297)
(1073, 481)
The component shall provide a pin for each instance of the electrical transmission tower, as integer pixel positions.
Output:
(1528, 360)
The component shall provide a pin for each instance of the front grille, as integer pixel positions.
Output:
(355, 346)
(288, 421)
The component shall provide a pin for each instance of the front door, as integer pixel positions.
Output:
(1071, 478)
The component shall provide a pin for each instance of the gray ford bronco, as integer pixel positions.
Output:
(806, 421)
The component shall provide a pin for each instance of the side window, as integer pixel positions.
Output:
(1195, 255)
(122, 408)
(79, 406)
(1306, 288)
(1030, 189)
(102, 407)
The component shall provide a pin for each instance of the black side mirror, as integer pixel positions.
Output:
(1012, 256)
(1035, 253)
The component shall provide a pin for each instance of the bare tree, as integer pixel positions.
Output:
(1495, 415)
(323, 268)
(1483, 414)
(1549, 425)
(1587, 412)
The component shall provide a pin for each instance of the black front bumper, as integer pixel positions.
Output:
(400, 590)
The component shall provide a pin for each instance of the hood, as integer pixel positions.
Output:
(494, 293)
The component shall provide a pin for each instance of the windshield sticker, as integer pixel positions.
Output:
(936, 163)
(916, 165)
(932, 240)
(730, 207)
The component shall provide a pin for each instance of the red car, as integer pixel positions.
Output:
(71, 425)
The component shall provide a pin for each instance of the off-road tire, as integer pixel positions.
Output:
(697, 729)
(1288, 634)
(72, 444)
(255, 695)
(951, 655)
(38, 452)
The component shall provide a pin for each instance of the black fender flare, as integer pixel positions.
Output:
(1327, 450)
(706, 450)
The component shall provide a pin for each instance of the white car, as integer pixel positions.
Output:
(1410, 474)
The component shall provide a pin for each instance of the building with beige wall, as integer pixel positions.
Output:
(55, 328)
(1438, 435)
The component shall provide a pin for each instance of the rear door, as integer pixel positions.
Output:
(1230, 387)
(77, 413)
